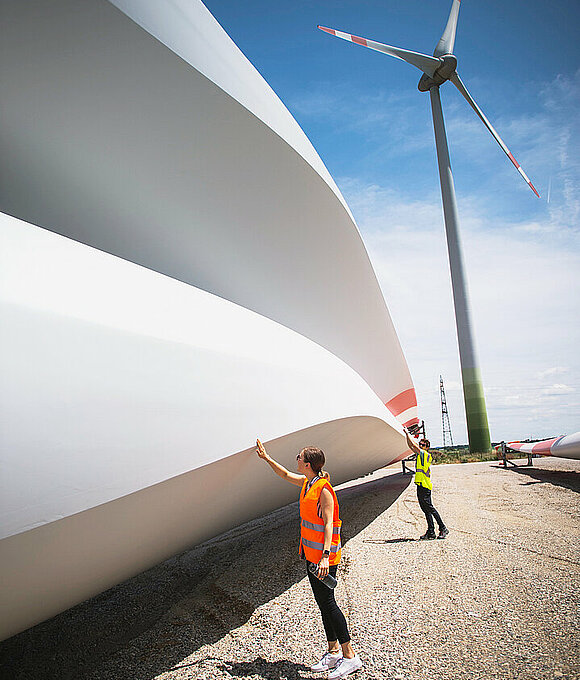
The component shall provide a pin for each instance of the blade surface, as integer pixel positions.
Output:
(447, 41)
(456, 80)
(423, 62)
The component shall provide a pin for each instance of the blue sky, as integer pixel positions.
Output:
(372, 128)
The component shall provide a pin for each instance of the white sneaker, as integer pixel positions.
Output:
(327, 662)
(345, 667)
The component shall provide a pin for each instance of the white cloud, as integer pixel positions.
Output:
(558, 388)
(524, 293)
(554, 370)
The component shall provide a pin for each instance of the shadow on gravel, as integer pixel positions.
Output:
(569, 479)
(151, 623)
(272, 670)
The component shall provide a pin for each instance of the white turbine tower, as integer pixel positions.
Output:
(436, 70)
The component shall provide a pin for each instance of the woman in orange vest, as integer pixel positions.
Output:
(320, 545)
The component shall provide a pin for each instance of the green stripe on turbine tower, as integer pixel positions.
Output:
(475, 411)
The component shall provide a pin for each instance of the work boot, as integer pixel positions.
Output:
(443, 532)
(429, 536)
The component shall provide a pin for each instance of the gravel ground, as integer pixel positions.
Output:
(499, 598)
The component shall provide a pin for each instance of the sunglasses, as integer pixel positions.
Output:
(299, 457)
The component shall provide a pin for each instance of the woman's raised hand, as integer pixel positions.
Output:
(260, 450)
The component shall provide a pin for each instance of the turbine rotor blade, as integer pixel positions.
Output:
(423, 62)
(456, 80)
(447, 41)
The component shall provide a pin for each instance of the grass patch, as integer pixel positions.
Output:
(459, 454)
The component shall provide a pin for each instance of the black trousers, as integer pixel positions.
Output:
(335, 625)
(424, 497)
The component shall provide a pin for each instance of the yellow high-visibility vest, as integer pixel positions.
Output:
(423, 469)
(312, 524)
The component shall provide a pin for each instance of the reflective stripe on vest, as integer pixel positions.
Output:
(318, 527)
(312, 527)
(320, 546)
(422, 470)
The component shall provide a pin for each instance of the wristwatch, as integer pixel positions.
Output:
(326, 553)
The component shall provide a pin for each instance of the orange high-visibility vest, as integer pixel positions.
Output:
(312, 524)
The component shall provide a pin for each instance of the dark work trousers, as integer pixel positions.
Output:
(335, 625)
(424, 497)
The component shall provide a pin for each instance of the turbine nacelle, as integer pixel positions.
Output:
(442, 74)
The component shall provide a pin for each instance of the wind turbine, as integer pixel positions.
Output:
(436, 70)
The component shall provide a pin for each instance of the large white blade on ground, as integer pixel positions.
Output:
(423, 62)
(456, 80)
(163, 364)
(564, 446)
(166, 131)
(447, 41)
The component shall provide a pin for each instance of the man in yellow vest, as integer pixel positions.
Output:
(424, 487)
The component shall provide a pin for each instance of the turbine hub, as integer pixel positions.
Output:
(443, 73)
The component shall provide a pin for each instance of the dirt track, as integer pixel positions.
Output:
(500, 598)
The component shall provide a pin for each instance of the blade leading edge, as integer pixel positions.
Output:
(456, 80)
(423, 62)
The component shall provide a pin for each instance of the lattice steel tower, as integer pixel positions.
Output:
(445, 424)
